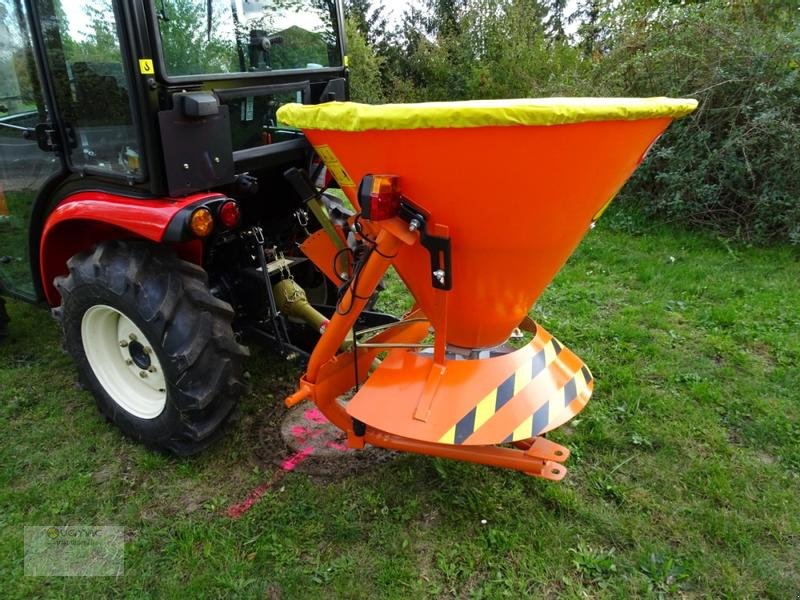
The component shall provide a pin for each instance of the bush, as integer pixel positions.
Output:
(365, 72)
(733, 166)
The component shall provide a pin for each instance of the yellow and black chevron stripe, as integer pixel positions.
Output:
(494, 400)
(515, 383)
(538, 421)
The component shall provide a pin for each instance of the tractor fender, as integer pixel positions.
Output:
(87, 218)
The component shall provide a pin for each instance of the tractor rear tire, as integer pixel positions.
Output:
(4, 319)
(152, 344)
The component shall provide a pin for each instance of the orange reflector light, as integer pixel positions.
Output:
(379, 197)
(201, 222)
(230, 214)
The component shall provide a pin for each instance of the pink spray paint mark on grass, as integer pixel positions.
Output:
(237, 510)
(290, 464)
(337, 446)
(302, 435)
(315, 416)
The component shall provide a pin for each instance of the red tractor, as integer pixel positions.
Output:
(164, 168)
(143, 194)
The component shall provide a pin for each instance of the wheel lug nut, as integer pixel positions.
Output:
(128, 362)
(123, 344)
(143, 374)
(152, 370)
(148, 350)
(132, 337)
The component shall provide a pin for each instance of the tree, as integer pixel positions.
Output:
(365, 66)
(590, 31)
(556, 19)
(369, 19)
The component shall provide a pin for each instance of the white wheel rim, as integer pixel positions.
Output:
(124, 362)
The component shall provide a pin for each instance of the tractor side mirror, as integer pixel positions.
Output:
(259, 48)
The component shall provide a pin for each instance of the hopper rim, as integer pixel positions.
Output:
(356, 117)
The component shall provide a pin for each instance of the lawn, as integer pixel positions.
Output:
(684, 479)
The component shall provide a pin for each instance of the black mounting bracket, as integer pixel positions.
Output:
(437, 246)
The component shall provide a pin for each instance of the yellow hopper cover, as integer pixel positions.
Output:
(352, 116)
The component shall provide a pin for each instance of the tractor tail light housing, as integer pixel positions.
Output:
(229, 214)
(379, 197)
(201, 223)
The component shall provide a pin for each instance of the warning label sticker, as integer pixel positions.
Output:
(334, 166)
(146, 66)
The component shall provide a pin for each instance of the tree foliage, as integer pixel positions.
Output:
(733, 166)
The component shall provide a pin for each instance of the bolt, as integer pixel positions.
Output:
(151, 369)
(128, 362)
(143, 374)
(148, 350)
(413, 225)
(132, 337)
(439, 275)
(185, 166)
(123, 344)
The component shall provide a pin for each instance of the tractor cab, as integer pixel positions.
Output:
(151, 100)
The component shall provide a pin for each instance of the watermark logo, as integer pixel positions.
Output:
(74, 551)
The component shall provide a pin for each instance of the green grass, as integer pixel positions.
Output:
(14, 265)
(684, 479)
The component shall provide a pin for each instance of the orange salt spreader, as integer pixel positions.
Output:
(477, 205)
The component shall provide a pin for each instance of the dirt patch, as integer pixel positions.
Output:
(765, 457)
(763, 354)
(302, 440)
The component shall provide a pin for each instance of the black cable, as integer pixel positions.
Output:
(353, 284)
(355, 361)
(360, 262)
(374, 242)
(336, 262)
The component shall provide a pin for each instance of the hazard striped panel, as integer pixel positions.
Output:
(538, 422)
(498, 397)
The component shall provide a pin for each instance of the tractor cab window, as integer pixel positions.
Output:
(237, 36)
(24, 167)
(81, 40)
(253, 116)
